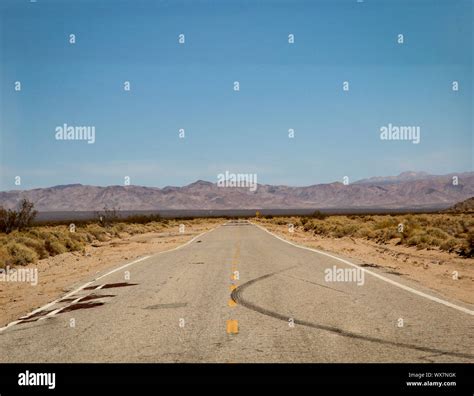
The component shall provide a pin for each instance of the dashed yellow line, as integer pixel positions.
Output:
(232, 326)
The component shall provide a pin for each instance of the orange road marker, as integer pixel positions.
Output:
(231, 303)
(232, 287)
(232, 326)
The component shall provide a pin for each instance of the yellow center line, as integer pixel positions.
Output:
(231, 303)
(232, 325)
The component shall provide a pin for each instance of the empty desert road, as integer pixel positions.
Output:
(183, 305)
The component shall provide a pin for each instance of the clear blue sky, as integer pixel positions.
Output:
(191, 86)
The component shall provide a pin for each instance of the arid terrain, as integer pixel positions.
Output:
(239, 294)
(95, 250)
(433, 250)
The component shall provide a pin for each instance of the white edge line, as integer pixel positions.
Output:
(98, 278)
(56, 311)
(388, 280)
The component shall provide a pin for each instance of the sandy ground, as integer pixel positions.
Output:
(431, 268)
(62, 273)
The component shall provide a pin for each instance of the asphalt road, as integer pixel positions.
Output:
(186, 306)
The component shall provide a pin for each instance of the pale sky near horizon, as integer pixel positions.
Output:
(190, 86)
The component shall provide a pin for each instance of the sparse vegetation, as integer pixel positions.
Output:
(25, 246)
(17, 219)
(448, 232)
(21, 244)
(107, 217)
(317, 214)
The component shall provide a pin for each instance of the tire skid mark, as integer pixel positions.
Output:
(43, 314)
(95, 297)
(84, 305)
(34, 317)
(316, 284)
(110, 286)
(83, 302)
(237, 296)
(372, 273)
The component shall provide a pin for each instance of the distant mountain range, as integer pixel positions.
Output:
(407, 190)
(402, 177)
(466, 206)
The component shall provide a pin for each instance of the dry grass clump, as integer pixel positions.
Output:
(34, 243)
(448, 232)
(13, 253)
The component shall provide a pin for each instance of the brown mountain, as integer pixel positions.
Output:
(402, 177)
(466, 206)
(407, 190)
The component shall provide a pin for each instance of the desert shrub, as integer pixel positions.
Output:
(452, 233)
(17, 219)
(89, 237)
(107, 216)
(467, 247)
(470, 239)
(308, 226)
(344, 230)
(317, 214)
(70, 244)
(8, 219)
(113, 230)
(79, 237)
(423, 220)
(97, 232)
(4, 256)
(386, 222)
(29, 245)
(120, 227)
(420, 241)
(437, 233)
(365, 232)
(20, 254)
(386, 234)
(53, 247)
(36, 244)
(37, 233)
(465, 226)
(449, 245)
(26, 214)
(303, 220)
(320, 228)
(434, 241)
(135, 228)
